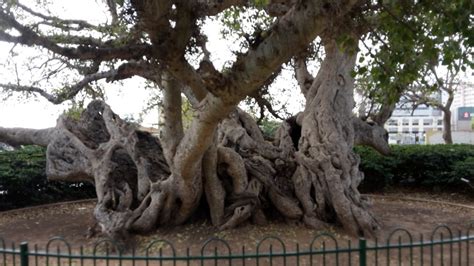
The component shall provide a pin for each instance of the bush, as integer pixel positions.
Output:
(465, 169)
(23, 181)
(423, 166)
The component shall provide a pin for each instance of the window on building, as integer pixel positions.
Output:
(427, 122)
(440, 122)
(392, 130)
(405, 122)
(415, 122)
(392, 122)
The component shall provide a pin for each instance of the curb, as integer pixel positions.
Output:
(422, 200)
(46, 206)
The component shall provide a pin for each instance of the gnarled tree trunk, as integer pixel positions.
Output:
(308, 173)
(328, 173)
(243, 176)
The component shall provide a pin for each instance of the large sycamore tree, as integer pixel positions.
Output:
(308, 173)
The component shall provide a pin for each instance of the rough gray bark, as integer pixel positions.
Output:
(24, 136)
(327, 177)
(127, 166)
(371, 134)
(262, 170)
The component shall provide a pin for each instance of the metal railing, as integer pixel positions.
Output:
(441, 247)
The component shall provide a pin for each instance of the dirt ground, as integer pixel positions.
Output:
(395, 210)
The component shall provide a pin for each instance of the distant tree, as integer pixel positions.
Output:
(419, 94)
(441, 80)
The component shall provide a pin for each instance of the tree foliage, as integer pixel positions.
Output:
(412, 44)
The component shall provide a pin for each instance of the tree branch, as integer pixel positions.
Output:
(112, 5)
(65, 24)
(214, 7)
(301, 24)
(265, 104)
(83, 52)
(125, 71)
(304, 78)
(183, 71)
(26, 136)
(172, 128)
(371, 134)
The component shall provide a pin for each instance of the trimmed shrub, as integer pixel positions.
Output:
(423, 166)
(465, 169)
(23, 181)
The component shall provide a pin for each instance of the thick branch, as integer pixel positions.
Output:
(199, 136)
(31, 38)
(304, 78)
(181, 69)
(172, 128)
(65, 24)
(300, 25)
(26, 136)
(214, 7)
(384, 113)
(371, 134)
(265, 104)
(113, 10)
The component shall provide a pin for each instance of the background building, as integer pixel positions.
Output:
(408, 126)
(462, 108)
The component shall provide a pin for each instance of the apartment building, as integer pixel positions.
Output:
(462, 107)
(407, 126)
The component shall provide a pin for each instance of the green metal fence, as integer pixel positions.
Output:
(442, 246)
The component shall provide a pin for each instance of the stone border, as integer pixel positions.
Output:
(422, 200)
(13, 211)
(369, 195)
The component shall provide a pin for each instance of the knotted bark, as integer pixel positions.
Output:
(328, 173)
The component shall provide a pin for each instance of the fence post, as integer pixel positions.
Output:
(24, 254)
(362, 252)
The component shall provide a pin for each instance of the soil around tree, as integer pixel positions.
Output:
(71, 221)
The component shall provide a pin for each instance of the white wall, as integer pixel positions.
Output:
(436, 137)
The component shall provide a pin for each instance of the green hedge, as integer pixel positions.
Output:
(23, 181)
(423, 166)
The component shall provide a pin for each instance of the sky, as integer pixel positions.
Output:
(36, 112)
(127, 99)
